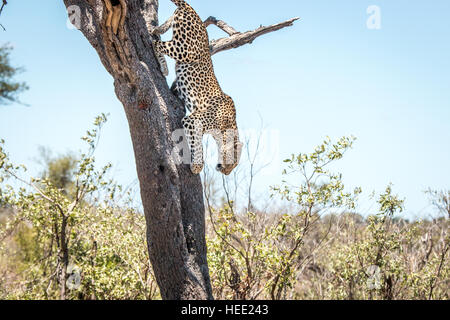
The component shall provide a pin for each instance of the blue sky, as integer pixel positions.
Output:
(329, 75)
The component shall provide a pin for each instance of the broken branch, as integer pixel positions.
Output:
(221, 24)
(4, 3)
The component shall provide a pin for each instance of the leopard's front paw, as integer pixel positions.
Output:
(152, 30)
(161, 59)
(196, 168)
(163, 67)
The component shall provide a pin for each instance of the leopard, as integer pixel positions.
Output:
(209, 109)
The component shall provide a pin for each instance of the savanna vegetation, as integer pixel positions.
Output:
(73, 233)
(10, 88)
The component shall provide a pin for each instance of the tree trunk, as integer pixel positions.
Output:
(172, 196)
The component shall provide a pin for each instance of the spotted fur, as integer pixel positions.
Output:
(212, 111)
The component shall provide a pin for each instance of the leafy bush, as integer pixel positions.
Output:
(74, 234)
(313, 253)
(75, 240)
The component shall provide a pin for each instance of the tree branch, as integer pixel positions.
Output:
(237, 39)
(4, 3)
(221, 24)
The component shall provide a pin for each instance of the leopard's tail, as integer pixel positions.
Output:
(179, 3)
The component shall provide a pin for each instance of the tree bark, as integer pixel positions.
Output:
(172, 196)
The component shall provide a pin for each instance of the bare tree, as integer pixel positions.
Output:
(440, 199)
(4, 3)
(171, 195)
